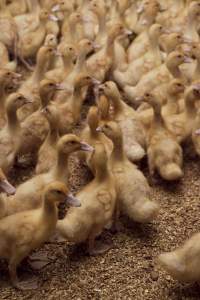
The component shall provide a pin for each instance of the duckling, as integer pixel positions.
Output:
(183, 263)
(10, 133)
(99, 64)
(169, 41)
(28, 194)
(5, 185)
(92, 136)
(25, 231)
(17, 7)
(70, 29)
(126, 117)
(69, 112)
(35, 127)
(158, 76)
(30, 42)
(97, 205)
(133, 191)
(163, 151)
(84, 48)
(68, 56)
(143, 64)
(47, 152)
(174, 91)
(7, 79)
(29, 88)
(182, 124)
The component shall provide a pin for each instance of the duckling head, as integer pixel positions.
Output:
(8, 77)
(58, 192)
(192, 93)
(93, 118)
(82, 80)
(171, 172)
(177, 58)
(16, 100)
(70, 143)
(109, 88)
(156, 30)
(117, 30)
(176, 87)
(47, 90)
(50, 40)
(67, 51)
(5, 185)
(51, 113)
(45, 53)
(112, 130)
(63, 6)
(85, 46)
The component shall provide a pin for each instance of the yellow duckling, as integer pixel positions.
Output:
(158, 76)
(4, 59)
(29, 88)
(25, 231)
(28, 194)
(196, 133)
(97, 206)
(181, 125)
(48, 152)
(17, 7)
(70, 110)
(183, 263)
(68, 56)
(10, 133)
(35, 127)
(92, 136)
(133, 191)
(132, 129)
(164, 153)
(7, 79)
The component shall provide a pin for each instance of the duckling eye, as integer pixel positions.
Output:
(70, 49)
(89, 44)
(147, 95)
(179, 56)
(8, 73)
(51, 84)
(58, 192)
(20, 98)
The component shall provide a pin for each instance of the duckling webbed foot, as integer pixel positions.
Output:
(39, 261)
(96, 247)
(30, 284)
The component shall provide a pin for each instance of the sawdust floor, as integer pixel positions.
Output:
(128, 270)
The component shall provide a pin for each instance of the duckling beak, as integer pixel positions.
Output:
(96, 46)
(53, 18)
(96, 81)
(28, 101)
(55, 8)
(187, 59)
(140, 9)
(127, 32)
(197, 132)
(99, 129)
(73, 201)
(57, 53)
(7, 187)
(86, 147)
(61, 87)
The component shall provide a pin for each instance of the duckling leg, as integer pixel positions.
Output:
(93, 248)
(23, 285)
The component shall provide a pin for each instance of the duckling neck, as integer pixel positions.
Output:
(172, 102)
(109, 50)
(61, 167)
(80, 62)
(190, 108)
(12, 123)
(174, 70)
(39, 71)
(3, 96)
(67, 65)
(191, 28)
(118, 151)
(102, 26)
(77, 101)
(45, 98)
(49, 213)
(53, 134)
(117, 104)
(102, 172)
(154, 47)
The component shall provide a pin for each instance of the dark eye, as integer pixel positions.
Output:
(147, 95)
(87, 77)
(89, 44)
(59, 192)
(8, 73)
(179, 56)
(70, 48)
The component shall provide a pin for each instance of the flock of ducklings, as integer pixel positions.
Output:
(145, 52)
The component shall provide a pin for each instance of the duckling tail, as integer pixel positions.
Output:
(144, 211)
(172, 263)
(135, 153)
(171, 172)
